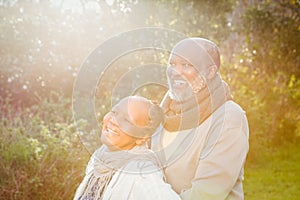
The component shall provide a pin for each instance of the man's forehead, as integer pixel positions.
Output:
(187, 48)
(192, 52)
(178, 58)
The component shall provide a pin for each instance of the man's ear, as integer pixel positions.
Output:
(141, 141)
(212, 70)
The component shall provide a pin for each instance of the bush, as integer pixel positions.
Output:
(40, 154)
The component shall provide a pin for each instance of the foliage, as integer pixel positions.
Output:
(273, 67)
(279, 21)
(41, 155)
(50, 39)
(43, 44)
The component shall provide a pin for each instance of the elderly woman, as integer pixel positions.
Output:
(123, 167)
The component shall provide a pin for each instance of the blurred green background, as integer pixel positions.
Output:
(44, 43)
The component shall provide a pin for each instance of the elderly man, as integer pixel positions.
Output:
(124, 168)
(204, 141)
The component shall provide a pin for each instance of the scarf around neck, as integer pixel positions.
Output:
(193, 111)
(104, 164)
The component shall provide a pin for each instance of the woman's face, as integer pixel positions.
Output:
(135, 113)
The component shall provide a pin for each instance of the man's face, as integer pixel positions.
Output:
(135, 113)
(184, 79)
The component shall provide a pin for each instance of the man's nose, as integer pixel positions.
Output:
(176, 70)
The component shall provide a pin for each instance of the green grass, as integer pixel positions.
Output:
(275, 175)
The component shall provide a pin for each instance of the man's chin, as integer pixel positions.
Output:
(181, 96)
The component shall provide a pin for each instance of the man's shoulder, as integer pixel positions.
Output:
(230, 113)
(233, 109)
(235, 116)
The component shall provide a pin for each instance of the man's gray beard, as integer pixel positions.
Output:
(183, 96)
(179, 96)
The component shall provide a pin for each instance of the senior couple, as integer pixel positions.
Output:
(198, 135)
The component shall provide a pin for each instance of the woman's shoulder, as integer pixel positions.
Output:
(141, 167)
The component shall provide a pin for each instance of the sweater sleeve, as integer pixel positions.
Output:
(136, 186)
(221, 168)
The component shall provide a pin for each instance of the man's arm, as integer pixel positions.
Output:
(219, 170)
(146, 185)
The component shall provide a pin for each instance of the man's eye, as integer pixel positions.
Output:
(113, 112)
(127, 120)
(187, 65)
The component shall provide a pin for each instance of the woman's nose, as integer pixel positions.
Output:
(108, 118)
